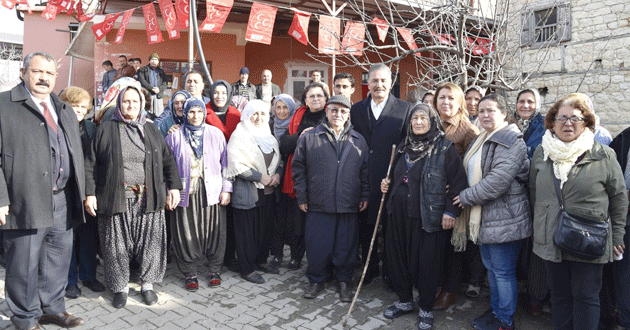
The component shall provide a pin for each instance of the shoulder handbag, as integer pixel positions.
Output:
(580, 237)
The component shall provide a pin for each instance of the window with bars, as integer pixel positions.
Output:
(546, 24)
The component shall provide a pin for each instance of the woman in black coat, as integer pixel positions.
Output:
(126, 169)
(421, 211)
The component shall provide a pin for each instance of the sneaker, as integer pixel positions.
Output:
(425, 320)
(485, 321)
(473, 290)
(503, 326)
(397, 310)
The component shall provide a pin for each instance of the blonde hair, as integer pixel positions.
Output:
(74, 95)
(458, 96)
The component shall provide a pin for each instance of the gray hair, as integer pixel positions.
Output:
(379, 67)
(29, 58)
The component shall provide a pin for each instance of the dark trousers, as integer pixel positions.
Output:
(253, 230)
(230, 245)
(331, 237)
(85, 247)
(285, 228)
(475, 265)
(366, 230)
(621, 278)
(575, 290)
(35, 259)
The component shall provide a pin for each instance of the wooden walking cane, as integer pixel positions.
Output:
(367, 262)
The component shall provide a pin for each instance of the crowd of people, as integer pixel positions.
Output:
(477, 194)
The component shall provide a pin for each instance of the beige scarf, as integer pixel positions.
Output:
(473, 213)
(244, 154)
(565, 154)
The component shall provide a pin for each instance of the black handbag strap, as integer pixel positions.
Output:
(556, 185)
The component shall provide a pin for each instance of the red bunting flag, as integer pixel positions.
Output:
(299, 27)
(123, 26)
(183, 13)
(329, 31)
(170, 19)
(50, 12)
(260, 25)
(485, 45)
(9, 3)
(65, 4)
(409, 39)
(102, 29)
(353, 38)
(73, 7)
(87, 17)
(154, 34)
(381, 28)
(444, 39)
(216, 13)
(25, 2)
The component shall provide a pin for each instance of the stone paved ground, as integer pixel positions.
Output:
(276, 304)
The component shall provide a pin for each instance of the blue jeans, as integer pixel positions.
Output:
(500, 260)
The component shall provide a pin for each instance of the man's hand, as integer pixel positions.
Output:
(155, 90)
(447, 221)
(90, 205)
(304, 207)
(4, 212)
(173, 128)
(363, 206)
(172, 199)
(224, 198)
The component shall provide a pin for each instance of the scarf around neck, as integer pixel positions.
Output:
(176, 119)
(281, 126)
(222, 110)
(415, 146)
(565, 154)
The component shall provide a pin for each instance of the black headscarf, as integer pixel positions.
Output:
(222, 110)
(416, 147)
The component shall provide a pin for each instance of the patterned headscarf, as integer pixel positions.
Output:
(228, 88)
(118, 116)
(176, 119)
(281, 126)
(524, 123)
(416, 147)
(193, 134)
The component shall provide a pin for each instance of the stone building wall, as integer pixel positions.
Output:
(595, 61)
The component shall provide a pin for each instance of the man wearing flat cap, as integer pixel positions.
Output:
(243, 87)
(330, 177)
(153, 78)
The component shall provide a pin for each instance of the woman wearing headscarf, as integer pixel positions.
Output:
(283, 108)
(305, 118)
(591, 185)
(530, 120)
(174, 119)
(127, 169)
(254, 164)
(450, 103)
(497, 206)
(221, 114)
(420, 211)
(198, 223)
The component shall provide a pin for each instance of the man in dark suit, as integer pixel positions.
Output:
(380, 119)
(41, 193)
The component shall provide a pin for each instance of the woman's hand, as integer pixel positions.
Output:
(224, 198)
(618, 249)
(172, 199)
(4, 212)
(265, 179)
(385, 185)
(90, 205)
(275, 180)
(306, 130)
(173, 128)
(363, 206)
(447, 221)
(457, 202)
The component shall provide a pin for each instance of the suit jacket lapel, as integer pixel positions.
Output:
(386, 109)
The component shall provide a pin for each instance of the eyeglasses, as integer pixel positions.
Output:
(316, 96)
(339, 111)
(573, 120)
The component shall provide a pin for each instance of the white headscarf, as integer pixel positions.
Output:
(262, 134)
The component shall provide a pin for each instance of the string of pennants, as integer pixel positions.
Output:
(259, 28)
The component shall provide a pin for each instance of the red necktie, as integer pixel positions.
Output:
(49, 119)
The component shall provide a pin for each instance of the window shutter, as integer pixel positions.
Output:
(528, 28)
(564, 22)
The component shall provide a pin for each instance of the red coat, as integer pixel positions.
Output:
(232, 118)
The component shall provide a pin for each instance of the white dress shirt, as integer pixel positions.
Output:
(48, 102)
(377, 109)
